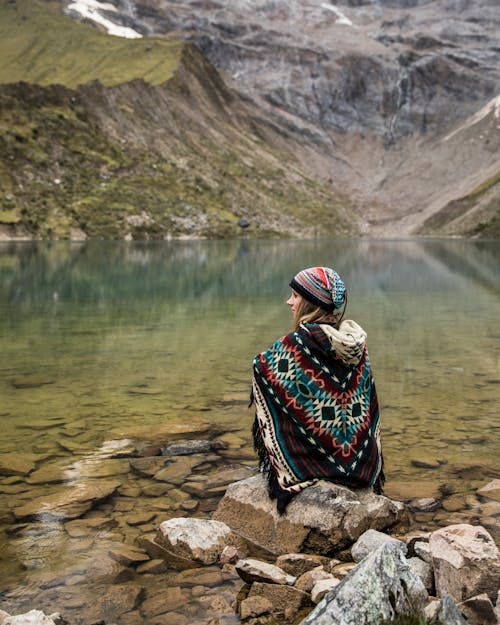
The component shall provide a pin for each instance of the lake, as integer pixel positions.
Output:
(104, 343)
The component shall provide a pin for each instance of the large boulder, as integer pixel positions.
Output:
(381, 586)
(323, 518)
(466, 562)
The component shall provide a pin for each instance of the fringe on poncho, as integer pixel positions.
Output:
(317, 414)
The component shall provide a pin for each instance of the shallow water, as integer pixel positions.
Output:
(104, 342)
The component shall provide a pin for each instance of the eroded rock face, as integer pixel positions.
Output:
(466, 562)
(321, 519)
(380, 587)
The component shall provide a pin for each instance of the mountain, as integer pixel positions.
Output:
(297, 118)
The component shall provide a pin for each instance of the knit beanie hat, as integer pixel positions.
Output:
(321, 286)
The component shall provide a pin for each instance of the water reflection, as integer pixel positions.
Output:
(105, 341)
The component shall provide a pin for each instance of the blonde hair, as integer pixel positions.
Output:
(306, 312)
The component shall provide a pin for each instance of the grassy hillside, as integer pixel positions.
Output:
(40, 45)
(127, 153)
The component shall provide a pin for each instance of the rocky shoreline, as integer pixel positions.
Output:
(164, 563)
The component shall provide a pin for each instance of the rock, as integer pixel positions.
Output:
(176, 470)
(148, 466)
(208, 576)
(479, 610)
(322, 518)
(382, 586)
(423, 551)
(307, 580)
(111, 602)
(466, 561)
(371, 540)
(283, 598)
(198, 540)
(127, 555)
(405, 491)
(254, 606)
(425, 464)
(3, 616)
(103, 568)
(424, 504)
(424, 571)
(17, 464)
(299, 563)
(69, 503)
(187, 447)
(81, 528)
(33, 617)
(251, 570)
(152, 567)
(343, 569)
(447, 612)
(491, 490)
(322, 587)
(229, 555)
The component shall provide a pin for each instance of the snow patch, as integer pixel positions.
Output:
(342, 19)
(90, 10)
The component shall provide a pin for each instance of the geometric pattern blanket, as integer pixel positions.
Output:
(317, 414)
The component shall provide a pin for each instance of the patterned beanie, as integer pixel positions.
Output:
(321, 286)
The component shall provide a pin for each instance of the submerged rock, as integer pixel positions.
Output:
(380, 587)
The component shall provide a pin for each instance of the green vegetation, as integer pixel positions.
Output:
(408, 619)
(40, 45)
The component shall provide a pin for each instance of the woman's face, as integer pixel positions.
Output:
(294, 300)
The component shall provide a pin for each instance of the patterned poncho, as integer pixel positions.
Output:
(317, 414)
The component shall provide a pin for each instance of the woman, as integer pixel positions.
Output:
(317, 414)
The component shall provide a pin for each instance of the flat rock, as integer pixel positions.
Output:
(479, 610)
(381, 586)
(307, 581)
(404, 491)
(148, 466)
(466, 562)
(33, 617)
(17, 464)
(299, 563)
(322, 587)
(251, 570)
(283, 598)
(254, 606)
(321, 519)
(127, 555)
(69, 503)
(112, 602)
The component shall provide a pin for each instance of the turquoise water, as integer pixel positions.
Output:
(103, 341)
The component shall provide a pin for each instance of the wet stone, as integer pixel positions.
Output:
(425, 504)
(83, 527)
(152, 567)
(155, 490)
(140, 518)
(128, 555)
(425, 463)
(206, 576)
(17, 464)
(147, 467)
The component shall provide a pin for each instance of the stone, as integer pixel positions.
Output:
(80, 528)
(210, 576)
(307, 580)
(343, 569)
(152, 567)
(229, 555)
(33, 617)
(479, 610)
(404, 491)
(322, 518)
(299, 563)
(176, 471)
(127, 555)
(424, 504)
(111, 602)
(69, 503)
(447, 612)
(147, 466)
(466, 561)
(371, 540)
(103, 568)
(428, 463)
(322, 587)
(186, 448)
(254, 606)
(382, 586)
(251, 570)
(140, 518)
(283, 598)
(169, 599)
(491, 490)
(199, 540)
(423, 551)
(17, 463)
(424, 571)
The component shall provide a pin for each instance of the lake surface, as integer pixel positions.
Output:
(103, 342)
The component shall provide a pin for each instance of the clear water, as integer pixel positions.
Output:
(103, 341)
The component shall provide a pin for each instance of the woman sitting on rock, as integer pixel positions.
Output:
(317, 414)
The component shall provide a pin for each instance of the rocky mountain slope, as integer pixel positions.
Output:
(277, 117)
(382, 89)
(134, 158)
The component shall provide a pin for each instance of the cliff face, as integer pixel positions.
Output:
(373, 88)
